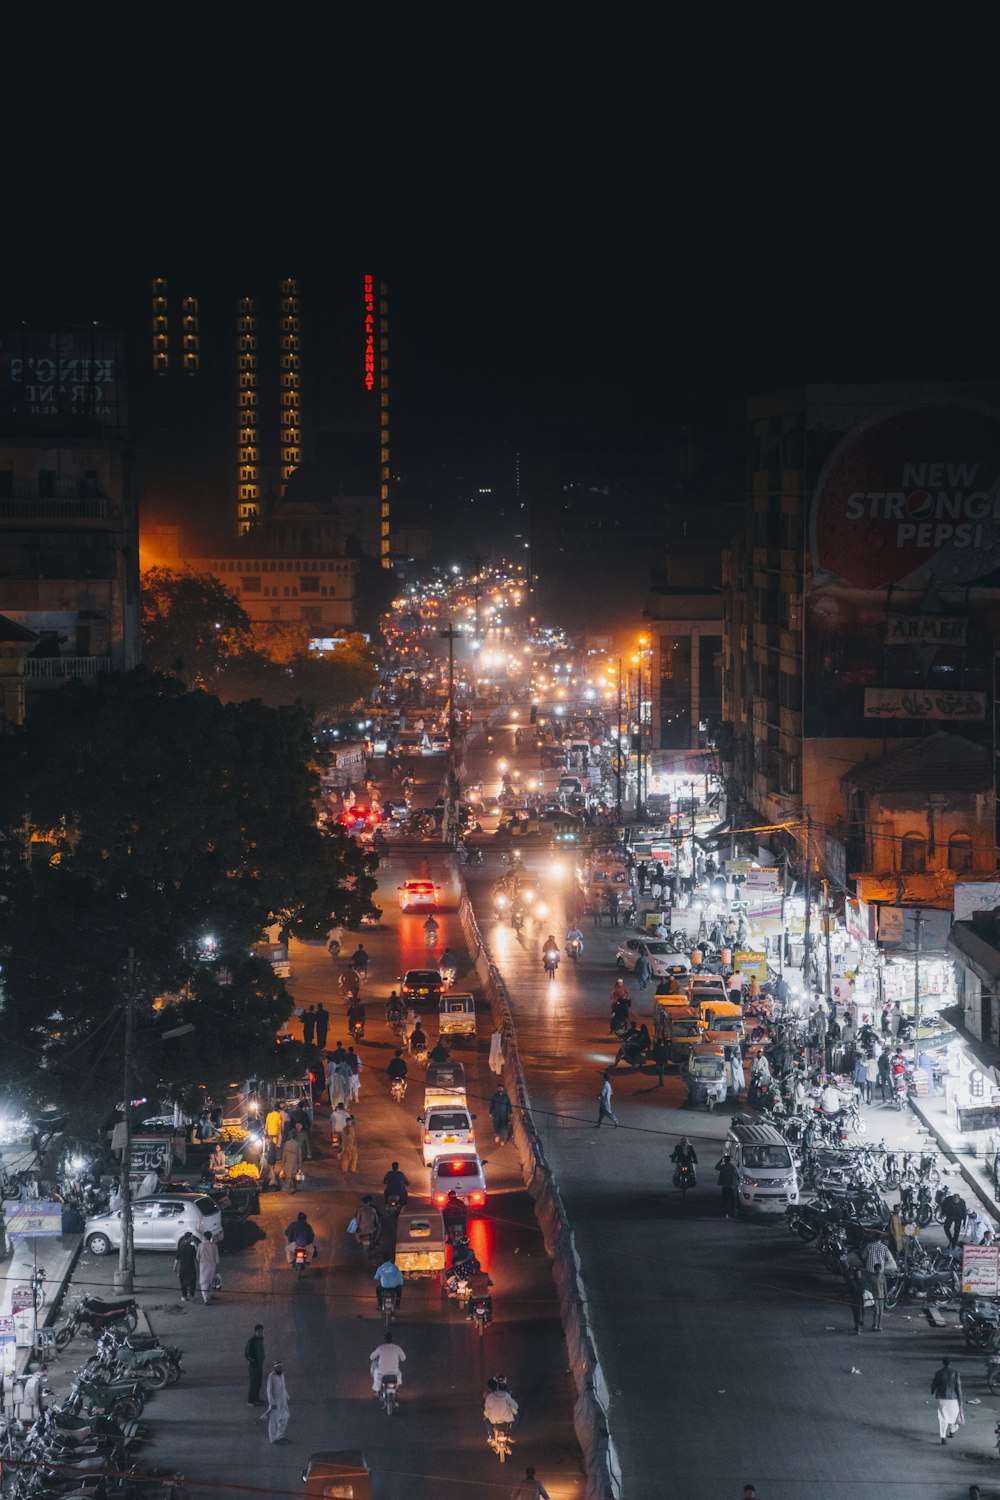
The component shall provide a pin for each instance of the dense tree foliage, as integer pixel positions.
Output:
(196, 629)
(192, 625)
(160, 817)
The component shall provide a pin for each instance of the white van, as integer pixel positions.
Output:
(446, 1129)
(767, 1178)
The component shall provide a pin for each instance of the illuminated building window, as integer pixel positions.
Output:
(249, 456)
(161, 363)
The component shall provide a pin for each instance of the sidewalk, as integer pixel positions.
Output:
(56, 1257)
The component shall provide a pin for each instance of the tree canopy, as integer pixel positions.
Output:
(196, 629)
(159, 817)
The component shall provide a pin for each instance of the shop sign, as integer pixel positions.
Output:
(843, 988)
(975, 895)
(897, 928)
(150, 1153)
(762, 880)
(752, 964)
(34, 1219)
(980, 1268)
(21, 1298)
(738, 866)
(914, 704)
(978, 1116)
(686, 919)
(858, 915)
(926, 630)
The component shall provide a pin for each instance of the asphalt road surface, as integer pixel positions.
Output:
(729, 1355)
(324, 1325)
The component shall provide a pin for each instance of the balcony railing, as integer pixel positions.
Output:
(40, 508)
(65, 666)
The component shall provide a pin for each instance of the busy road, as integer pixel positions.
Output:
(324, 1325)
(724, 1337)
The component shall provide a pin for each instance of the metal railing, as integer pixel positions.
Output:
(65, 666)
(58, 508)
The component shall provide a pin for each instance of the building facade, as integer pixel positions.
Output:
(862, 596)
(261, 391)
(69, 555)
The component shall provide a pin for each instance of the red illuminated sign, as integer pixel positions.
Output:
(369, 333)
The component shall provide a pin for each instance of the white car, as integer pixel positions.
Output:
(446, 1129)
(158, 1223)
(662, 957)
(461, 1173)
(419, 895)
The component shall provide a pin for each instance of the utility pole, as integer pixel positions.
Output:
(450, 636)
(807, 935)
(618, 752)
(826, 928)
(123, 1280)
(479, 569)
(639, 809)
(916, 995)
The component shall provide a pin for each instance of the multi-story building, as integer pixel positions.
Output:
(68, 505)
(255, 393)
(862, 599)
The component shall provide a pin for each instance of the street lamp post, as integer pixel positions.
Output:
(124, 1276)
(450, 635)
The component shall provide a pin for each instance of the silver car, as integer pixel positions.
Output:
(158, 1223)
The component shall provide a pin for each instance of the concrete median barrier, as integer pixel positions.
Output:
(590, 1411)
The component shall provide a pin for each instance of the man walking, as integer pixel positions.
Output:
(643, 970)
(947, 1388)
(500, 1113)
(186, 1266)
(954, 1213)
(604, 1103)
(876, 1258)
(349, 1145)
(277, 1404)
(728, 1180)
(290, 1162)
(309, 1026)
(885, 1074)
(658, 1053)
(254, 1354)
(322, 1022)
(208, 1266)
(530, 1488)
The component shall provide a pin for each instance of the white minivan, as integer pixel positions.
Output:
(768, 1182)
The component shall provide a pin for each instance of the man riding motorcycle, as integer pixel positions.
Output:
(499, 1407)
(396, 1185)
(574, 942)
(388, 1278)
(299, 1235)
(431, 930)
(550, 953)
(685, 1159)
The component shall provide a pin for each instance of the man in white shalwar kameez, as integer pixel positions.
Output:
(277, 1405)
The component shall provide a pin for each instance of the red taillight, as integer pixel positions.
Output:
(477, 1199)
(440, 1199)
(456, 1167)
(472, 1137)
(427, 1137)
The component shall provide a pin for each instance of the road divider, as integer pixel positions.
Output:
(590, 1411)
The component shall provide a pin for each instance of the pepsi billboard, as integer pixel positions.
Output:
(902, 586)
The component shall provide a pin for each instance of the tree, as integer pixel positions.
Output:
(161, 817)
(192, 625)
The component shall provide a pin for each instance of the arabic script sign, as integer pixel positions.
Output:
(914, 703)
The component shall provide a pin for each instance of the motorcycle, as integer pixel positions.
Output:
(388, 1299)
(980, 1320)
(397, 1089)
(573, 947)
(481, 1311)
(358, 1030)
(922, 1286)
(517, 919)
(684, 1176)
(95, 1315)
(387, 1394)
(301, 1258)
(550, 962)
(502, 1443)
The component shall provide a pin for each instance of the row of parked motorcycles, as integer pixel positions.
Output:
(848, 1211)
(86, 1447)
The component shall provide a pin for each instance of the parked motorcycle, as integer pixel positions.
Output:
(916, 1284)
(95, 1315)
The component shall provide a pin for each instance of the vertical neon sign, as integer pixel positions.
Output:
(369, 333)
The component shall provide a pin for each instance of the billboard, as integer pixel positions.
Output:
(902, 585)
(62, 380)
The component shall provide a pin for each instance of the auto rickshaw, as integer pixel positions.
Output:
(704, 1073)
(420, 1242)
(457, 1015)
